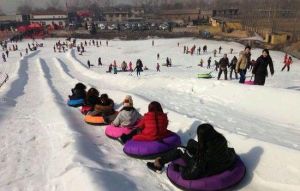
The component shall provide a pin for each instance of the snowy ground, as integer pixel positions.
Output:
(45, 145)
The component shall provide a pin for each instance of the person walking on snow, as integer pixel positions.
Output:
(201, 63)
(89, 63)
(208, 63)
(157, 67)
(157, 56)
(130, 66)
(231, 50)
(115, 69)
(220, 49)
(139, 67)
(3, 57)
(215, 53)
(242, 63)
(223, 64)
(232, 67)
(99, 61)
(260, 69)
(287, 62)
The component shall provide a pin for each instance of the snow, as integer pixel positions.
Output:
(45, 145)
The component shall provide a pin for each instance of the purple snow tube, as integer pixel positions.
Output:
(151, 149)
(220, 181)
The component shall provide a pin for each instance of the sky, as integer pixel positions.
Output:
(10, 6)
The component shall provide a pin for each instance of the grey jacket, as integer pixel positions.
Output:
(127, 117)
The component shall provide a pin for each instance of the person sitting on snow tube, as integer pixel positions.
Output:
(128, 115)
(78, 92)
(153, 125)
(92, 97)
(105, 108)
(209, 156)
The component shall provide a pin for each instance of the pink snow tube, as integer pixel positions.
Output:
(116, 132)
(250, 82)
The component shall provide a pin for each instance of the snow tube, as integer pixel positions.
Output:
(75, 102)
(220, 181)
(249, 82)
(94, 120)
(151, 149)
(205, 76)
(116, 132)
(85, 109)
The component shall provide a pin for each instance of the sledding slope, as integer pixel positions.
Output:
(45, 145)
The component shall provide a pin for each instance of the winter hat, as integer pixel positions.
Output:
(128, 101)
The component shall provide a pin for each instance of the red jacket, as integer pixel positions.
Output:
(289, 62)
(152, 130)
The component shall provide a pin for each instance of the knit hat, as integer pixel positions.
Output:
(128, 101)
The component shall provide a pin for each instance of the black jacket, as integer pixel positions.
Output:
(77, 94)
(262, 63)
(224, 63)
(92, 100)
(216, 159)
(233, 63)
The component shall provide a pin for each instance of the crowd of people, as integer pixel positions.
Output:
(236, 68)
(243, 64)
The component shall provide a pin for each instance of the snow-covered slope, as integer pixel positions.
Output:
(45, 145)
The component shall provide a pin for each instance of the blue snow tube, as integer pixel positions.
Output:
(75, 102)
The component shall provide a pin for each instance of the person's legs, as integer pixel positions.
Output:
(225, 73)
(220, 73)
(242, 76)
(160, 162)
(124, 138)
(230, 75)
(288, 68)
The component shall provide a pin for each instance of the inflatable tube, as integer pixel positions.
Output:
(205, 76)
(94, 120)
(75, 102)
(116, 132)
(220, 181)
(151, 149)
(249, 82)
(85, 109)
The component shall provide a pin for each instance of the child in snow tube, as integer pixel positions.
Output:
(208, 157)
(78, 92)
(92, 97)
(151, 136)
(125, 120)
(78, 95)
(103, 112)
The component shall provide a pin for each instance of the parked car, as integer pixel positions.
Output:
(112, 27)
(164, 27)
(102, 26)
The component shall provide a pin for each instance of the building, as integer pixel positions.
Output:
(226, 13)
(58, 18)
(11, 18)
(277, 38)
(13, 21)
(116, 16)
(184, 15)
